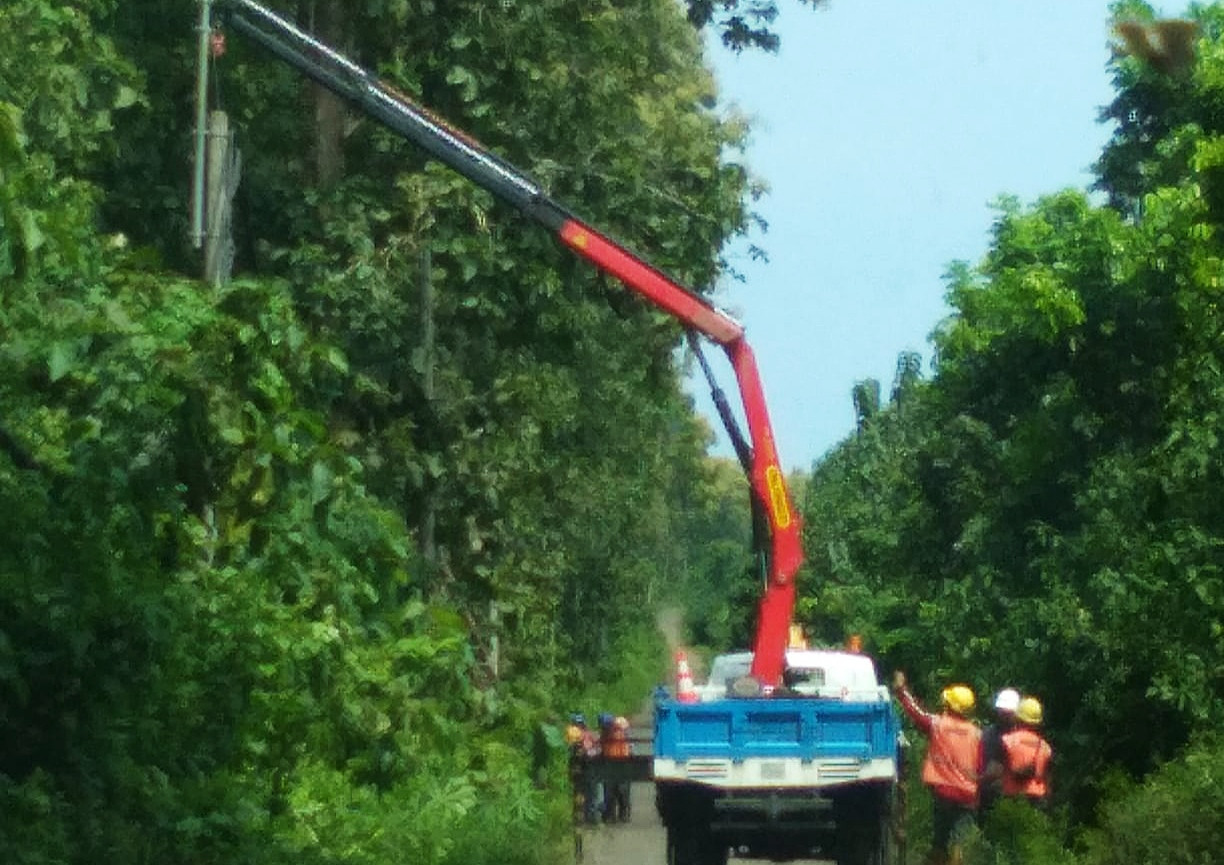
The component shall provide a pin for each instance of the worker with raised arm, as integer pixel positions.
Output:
(1027, 756)
(950, 769)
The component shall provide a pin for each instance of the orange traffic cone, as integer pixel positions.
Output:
(686, 692)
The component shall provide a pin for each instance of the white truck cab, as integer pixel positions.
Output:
(826, 673)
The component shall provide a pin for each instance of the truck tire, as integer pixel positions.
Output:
(865, 843)
(694, 845)
(864, 829)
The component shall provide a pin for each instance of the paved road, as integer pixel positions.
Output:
(642, 841)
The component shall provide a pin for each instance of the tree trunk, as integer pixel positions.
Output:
(328, 23)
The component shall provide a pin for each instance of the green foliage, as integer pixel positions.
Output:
(718, 596)
(1166, 819)
(1042, 513)
(159, 650)
(742, 24)
(1015, 833)
(45, 220)
(859, 509)
(506, 430)
(224, 636)
(636, 664)
(80, 85)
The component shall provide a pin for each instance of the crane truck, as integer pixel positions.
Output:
(756, 768)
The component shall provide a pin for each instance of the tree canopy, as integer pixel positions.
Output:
(742, 23)
(1040, 512)
(283, 579)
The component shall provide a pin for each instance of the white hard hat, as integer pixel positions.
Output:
(1008, 700)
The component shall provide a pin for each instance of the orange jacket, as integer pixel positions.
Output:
(1026, 764)
(951, 766)
(616, 744)
(952, 759)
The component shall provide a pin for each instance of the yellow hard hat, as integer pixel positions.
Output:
(1029, 711)
(958, 698)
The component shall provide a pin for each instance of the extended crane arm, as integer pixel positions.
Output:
(337, 73)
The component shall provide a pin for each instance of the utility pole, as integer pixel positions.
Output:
(215, 165)
(204, 31)
(223, 171)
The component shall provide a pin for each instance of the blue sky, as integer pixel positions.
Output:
(885, 129)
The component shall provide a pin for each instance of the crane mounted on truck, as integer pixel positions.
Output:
(776, 522)
(784, 776)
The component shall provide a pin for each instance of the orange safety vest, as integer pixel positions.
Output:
(952, 758)
(1026, 763)
(616, 745)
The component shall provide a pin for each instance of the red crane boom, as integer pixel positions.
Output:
(781, 547)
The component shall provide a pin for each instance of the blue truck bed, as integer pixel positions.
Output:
(803, 742)
(801, 727)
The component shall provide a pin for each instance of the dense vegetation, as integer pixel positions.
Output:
(281, 579)
(284, 579)
(1044, 511)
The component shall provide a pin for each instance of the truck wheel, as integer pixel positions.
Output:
(864, 830)
(692, 846)
(880, 849)
(865, 843)
(681, 847)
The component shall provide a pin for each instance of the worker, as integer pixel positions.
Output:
(1027, 756)
(616, 746)
(990, 764)
(588, 742)
(573, 730)
(614, 738)
(583, 746)
(599, 789)
(951, 766)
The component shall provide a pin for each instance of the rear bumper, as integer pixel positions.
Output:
(789, 773)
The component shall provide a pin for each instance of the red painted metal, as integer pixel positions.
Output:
(786, 542)
(765, 474)
(651, 283)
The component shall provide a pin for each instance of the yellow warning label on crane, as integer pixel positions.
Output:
(777, 497)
